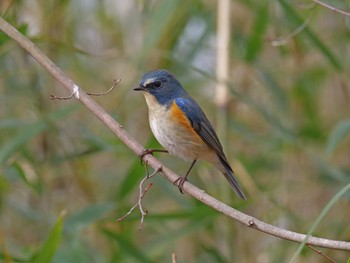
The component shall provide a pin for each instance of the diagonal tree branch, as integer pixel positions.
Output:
(337, 10)
(118, 130)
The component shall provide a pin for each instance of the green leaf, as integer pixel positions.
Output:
(157, 21)
(286, 132)
(323, 213)
(255, 41)
(29, 132)
(214, 253)
(131, 179)
(327, 53)
(20, 139)
(329, 171)
(16, 170)
(11, 123)
(274, 88)
(75, 250)
(159, 244)
(341, 130)
(88, 215)
(127, 247)
(50, 246)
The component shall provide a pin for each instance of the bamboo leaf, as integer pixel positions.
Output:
(323, 213)
(127, 246)
(48, 250)
(325, 51)
(341, 130)
(29, 132)
(88, 215)
(255, 41)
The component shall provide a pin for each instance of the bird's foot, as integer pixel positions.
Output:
(150, 151)
(179, 182)
(145, 152)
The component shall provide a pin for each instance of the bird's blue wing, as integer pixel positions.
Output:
(200, 123)
(204, 129)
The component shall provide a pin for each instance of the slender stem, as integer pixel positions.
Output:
(331, 8)
(222, 63)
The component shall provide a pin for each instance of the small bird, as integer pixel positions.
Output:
(181, 127)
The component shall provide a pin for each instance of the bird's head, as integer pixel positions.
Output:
(162, 85)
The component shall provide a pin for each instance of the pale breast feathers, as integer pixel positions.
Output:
(173, 130)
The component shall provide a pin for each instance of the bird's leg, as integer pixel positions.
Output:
(151, 151)
(179, 182)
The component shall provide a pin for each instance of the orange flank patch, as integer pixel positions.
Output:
(181, 118)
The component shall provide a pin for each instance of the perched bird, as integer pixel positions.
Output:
(181, 127)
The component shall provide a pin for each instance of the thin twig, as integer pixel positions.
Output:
(76, 92)
(142, 193)
(54, 97)
(143, 213)
(321, 253)
(280, 41)
(116, 128)
(337, 10)
(108, 91)
(304, 5)
(173, 258)
(137, 205)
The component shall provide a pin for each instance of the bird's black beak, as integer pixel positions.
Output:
(139, 88)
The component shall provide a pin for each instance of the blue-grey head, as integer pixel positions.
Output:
(162, 85)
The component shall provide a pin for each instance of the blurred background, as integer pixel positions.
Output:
(284, 122)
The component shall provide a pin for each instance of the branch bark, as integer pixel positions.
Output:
(118, 130)
(331, 8)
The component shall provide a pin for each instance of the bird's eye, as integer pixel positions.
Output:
(157, 84)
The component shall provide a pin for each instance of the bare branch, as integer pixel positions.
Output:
(76, 92)
(173, 258)
(138, 204)
(223, 48)
(108, 91)
(142, 193)
(285, 39)
(321, 253)
(337, 10)
(118, 130)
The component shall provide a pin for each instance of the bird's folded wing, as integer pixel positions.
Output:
(200, 124)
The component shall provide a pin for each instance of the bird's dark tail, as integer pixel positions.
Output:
(229, 174)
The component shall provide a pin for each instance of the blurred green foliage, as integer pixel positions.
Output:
(287, 139)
